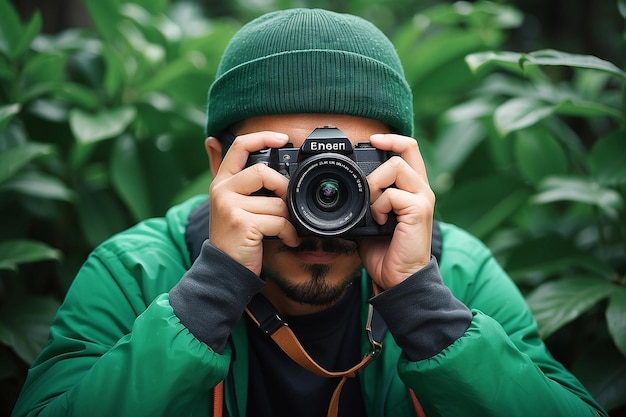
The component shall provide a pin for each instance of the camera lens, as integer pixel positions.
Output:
(328, 194)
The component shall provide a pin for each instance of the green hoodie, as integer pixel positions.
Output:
(117, 349)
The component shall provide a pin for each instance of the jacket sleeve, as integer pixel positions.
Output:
(499, 366)
(117, 349)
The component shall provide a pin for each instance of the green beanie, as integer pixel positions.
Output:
(310, 61)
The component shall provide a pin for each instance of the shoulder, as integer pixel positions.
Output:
(468, 266)
(166, 232)
(153, 249)
(458, 244)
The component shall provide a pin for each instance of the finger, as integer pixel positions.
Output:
(241, 234)
(257, 227)
(406, 146)
(270, 206)
(409, 209)
(276, 226)
(237, 156)
(236, 209)
(259, 176)
(395, 171)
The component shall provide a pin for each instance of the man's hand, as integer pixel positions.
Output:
(412, 200)
(238, 222)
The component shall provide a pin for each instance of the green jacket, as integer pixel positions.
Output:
(117, 349)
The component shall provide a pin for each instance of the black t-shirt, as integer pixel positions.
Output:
(280, 387)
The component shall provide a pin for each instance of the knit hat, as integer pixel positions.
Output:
(310, 61)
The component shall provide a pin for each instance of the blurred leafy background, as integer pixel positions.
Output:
(520, 114)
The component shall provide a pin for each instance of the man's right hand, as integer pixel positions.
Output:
(238, 221)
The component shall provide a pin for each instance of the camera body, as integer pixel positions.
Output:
(328, 194)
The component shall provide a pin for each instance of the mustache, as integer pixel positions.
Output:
(338, 246)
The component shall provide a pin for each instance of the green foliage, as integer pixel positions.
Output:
(103, 127)
(563, 238)
(98, 129)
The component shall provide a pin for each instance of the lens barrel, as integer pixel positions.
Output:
(328, 194)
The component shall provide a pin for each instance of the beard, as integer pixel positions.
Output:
(316, 290)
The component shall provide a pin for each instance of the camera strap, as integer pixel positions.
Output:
(265, 316)
(261, 311)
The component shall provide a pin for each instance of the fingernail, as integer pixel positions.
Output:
(377, 136)
(281, 136)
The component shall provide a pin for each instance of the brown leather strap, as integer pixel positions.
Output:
(284, 337)
(333, 407)
(416, 404)
(218, 399)
(289, 343)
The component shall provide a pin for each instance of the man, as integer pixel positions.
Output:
(154, 323)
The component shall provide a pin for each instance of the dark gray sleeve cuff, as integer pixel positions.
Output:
(210, 298)
(422, 314)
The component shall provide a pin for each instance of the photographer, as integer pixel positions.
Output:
(302, 287)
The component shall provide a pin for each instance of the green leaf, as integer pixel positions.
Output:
(115, 74)
(621, 6)
(13, 159)
(86, 68)
(494, 200)
(482, 60)
(146, 177)
(199, 186)
(7, 113)
(438, 51)
(548, 57)
(153, 6)
(6, 71)
(556, 303)
(86, 98)
(100, 214)
(504, 16)
(49, 109)
(169, 74)
(539, 155)
(454, 145)
(548, 255)
(40, 185)
(607, 160)
(35, 91)
(521, 112)
(552, 57)
(31, 31)
(129, 177)
(583, 108)
(105, 17)
(479, 14)
(146, 54)
(580, 190)
(138, 14)
(106, 124)
(80, 155)
(10, 29)
(25, 325)
(15, 39)
(473, 109)
(20, 251)
(616, 318)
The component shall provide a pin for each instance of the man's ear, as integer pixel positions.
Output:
(213, 148)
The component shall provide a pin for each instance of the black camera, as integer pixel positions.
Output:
(328, 193)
